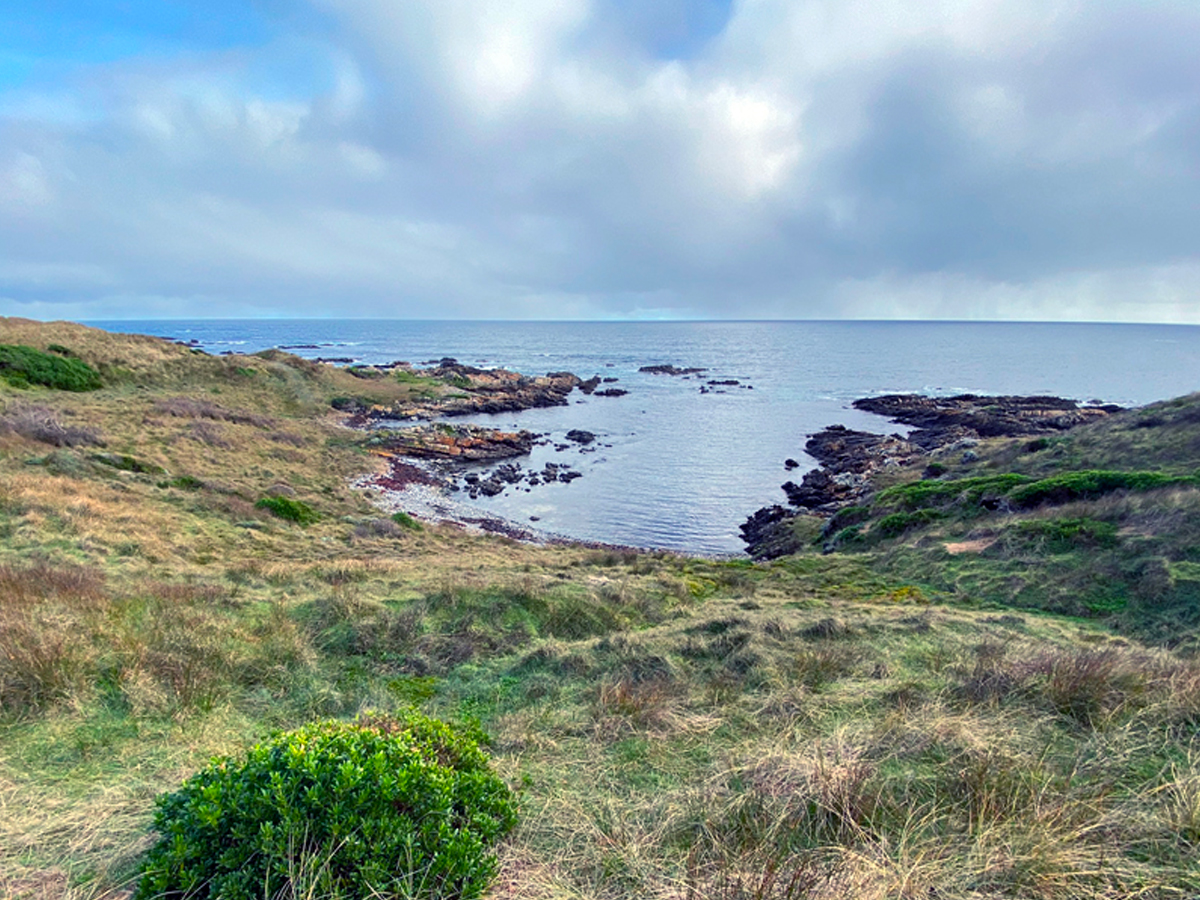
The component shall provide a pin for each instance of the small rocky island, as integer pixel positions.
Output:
(942, 427)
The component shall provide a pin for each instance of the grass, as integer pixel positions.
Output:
(880, 723)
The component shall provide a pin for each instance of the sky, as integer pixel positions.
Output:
(601, 159)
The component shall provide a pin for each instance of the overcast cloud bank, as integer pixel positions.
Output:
(575, 159)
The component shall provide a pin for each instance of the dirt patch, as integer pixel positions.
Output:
(978, 546)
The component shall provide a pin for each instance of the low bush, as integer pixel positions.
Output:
(968, 492)
(23, 366)
(404, 520)
(38, 423)
(286, 508)
(384, 807)
(1089, 485)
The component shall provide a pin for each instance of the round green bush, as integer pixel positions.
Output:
(384, 807)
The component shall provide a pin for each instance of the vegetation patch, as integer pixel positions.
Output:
(397, 806)
(1066, 535)
(1090, 485)
(897, 523)
(968, 493)
(23, 366)
(126, 463)
(40, 423)
(404, 520)
(292, 510)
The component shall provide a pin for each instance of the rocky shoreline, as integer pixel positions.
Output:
(942, 426)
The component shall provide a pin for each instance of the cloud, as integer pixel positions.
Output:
(584, 158)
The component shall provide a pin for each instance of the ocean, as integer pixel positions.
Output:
(677, 467)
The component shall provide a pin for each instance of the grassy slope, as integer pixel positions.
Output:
(1060, 541)
(812, 727)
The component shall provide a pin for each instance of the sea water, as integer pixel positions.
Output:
(679, 463)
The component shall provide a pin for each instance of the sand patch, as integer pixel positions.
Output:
(977, 546)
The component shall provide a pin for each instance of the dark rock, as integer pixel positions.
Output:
(611, 392)
(982, 416)
(790, 464)
(768, 533)
(590, 385)
(580, 436)
(671, 370)
(460, 442)
(728, 382)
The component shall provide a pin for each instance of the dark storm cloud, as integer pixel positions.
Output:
(560, 158)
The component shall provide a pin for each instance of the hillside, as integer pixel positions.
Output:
(184, 568)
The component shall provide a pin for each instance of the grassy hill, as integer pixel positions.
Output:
(981, 698)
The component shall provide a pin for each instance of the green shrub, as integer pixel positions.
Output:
(23, 366)
(384, 807)
(969, 492)
(286, 508)
(404, 520)
(1088, 485)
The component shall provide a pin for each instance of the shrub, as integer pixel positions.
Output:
(969, 492)
(404, 520)
(384, 807)
(1089, 485)
(286, 508)
(38, 423)
(22, 366)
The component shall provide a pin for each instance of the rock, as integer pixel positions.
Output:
(579, 436)
(790, 464)
(590, 385)
(940, 420)
(483, 391)
(768, 533)
(671, 370)
(612, 392)
(728, 382)
(461, 442)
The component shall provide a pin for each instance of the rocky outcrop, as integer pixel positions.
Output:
(769, 534)
(481, 391)
(942, 420)
(467, 443)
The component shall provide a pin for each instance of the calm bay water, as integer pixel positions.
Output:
(680, 469)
